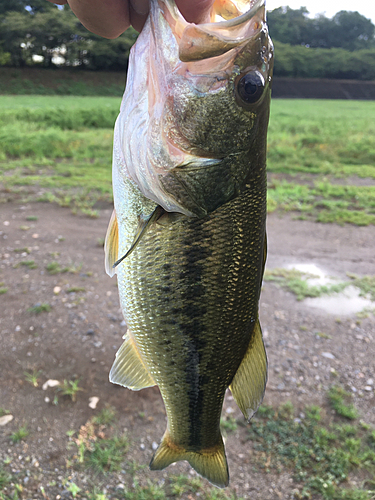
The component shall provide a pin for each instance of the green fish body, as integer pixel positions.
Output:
(190, 151)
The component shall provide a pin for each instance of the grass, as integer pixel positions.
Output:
(20, 434)
(55, 268)
(297, 282)
(39, 308)
(338, 399)
(70, 388)
(320, 155)
(33, 377)
(320, 457)
(30, 264)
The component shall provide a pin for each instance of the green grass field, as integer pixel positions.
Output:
(321, 154)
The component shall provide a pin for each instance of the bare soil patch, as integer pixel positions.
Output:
(78, 337)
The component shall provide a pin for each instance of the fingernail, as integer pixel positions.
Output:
(140, 6)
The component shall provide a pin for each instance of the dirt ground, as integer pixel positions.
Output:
(79, 336)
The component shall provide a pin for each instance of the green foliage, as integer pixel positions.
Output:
(299, 61)
(39, 308)
(33, 377)
(106, 455)
(20, 434)
(228, 424)
(149, 492)
(105, 417)
(338, 398)
(73, 489)
(70, 388)
(348, 30)
(320, 458)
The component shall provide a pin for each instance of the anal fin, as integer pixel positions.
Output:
(129, 369)
(249, 382)
(111, 245)
(210, 463)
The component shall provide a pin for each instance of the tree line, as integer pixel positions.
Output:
(38, 33)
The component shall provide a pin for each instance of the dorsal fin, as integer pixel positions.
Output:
(111, 245)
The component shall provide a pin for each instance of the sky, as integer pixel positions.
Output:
(327, 7)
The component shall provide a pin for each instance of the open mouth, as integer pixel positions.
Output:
(231, 23)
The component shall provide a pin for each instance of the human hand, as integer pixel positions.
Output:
(110, 18)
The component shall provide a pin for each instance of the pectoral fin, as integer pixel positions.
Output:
(249, 382)
(111, 245)
(129, 369)
(143, 226)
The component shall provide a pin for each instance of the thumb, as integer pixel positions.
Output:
(195, 11)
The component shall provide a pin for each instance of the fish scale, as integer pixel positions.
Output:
(199, 256)
(187, 236)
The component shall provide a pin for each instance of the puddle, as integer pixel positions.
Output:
(342, 303)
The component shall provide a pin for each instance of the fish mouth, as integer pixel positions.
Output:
(231, 23)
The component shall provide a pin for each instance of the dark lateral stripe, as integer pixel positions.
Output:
(192, 326)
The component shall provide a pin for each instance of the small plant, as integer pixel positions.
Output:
(70, 388)
(5, 478)
(3, 289)
(22, 250)
(286, 410)
(32, 378)
(75, 289)
(149, 492)
(73, 489)
(19, 435)
(313, 413)
(39, 308)
(337, 397)
(229, 424)
(106, 455)
(31, 218)
(183, 484)
(53, 268)
(29, 263)
(105, 417)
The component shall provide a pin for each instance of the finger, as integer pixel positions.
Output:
(107, 18)
(138, 11)
(195, 11)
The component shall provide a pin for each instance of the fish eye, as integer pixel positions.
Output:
(250, 87)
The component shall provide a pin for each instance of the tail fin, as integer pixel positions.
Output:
(210, 463)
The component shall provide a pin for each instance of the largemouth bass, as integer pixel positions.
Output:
(189, 181)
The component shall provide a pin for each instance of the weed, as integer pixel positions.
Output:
(31, 218)
(228, 424)
(39, 308)
(75, 289)
(183, 484)
(320, 458)
(106, 455)
(70, 388)
(33, 377)
(53, 268)
(149, 492)
(3, 289)
(27, 263)
(73, 489)
(19, 435)
(337, 397)
(22, 250)
(105, 417)
(5, 478)
(313, 412)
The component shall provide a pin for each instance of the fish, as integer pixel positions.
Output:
(187, 237)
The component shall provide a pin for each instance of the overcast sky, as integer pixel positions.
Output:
(327, 7)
